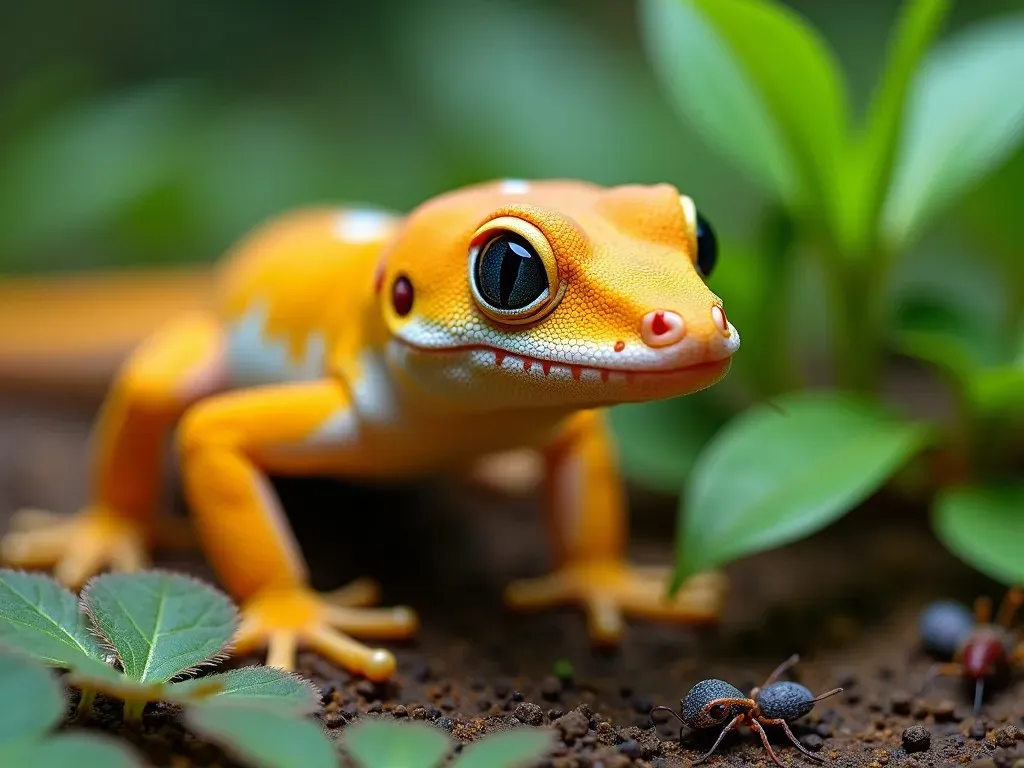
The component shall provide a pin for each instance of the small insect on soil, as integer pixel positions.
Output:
(979, 648)
(711, 703)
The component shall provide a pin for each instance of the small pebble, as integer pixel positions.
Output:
(446, 724)
(900, 703)
(824, 730)
(419, 713)
(916, 739)
(573, 726)
(812, 741)
(376, 707)
(1007, 736)
(551, 688)
(554, 714)
(400, 711)
(630, 748)
(334, 719)
(944, 711)
(529, 714)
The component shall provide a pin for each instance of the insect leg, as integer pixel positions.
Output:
(732, 724)
(789, 734)
(764, 740)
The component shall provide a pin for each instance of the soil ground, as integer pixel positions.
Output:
(847, 600)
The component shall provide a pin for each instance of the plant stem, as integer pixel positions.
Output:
(85, 702)
(133, 710)
(777, 238)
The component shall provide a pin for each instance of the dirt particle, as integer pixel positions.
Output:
(551, 688)
(528, 714)
(917, 739)
(1007, 736)
(812, 741)
(977, 730)
(446, 724)
(986, 762)
(900, 703)
(334, 719)
(555, 713)
(572, 726)
(419, 713)
(944, 711)
(631, 749)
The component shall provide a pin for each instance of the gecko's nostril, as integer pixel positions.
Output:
(661, 328)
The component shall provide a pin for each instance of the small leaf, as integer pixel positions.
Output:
(376, 743)
(965, 116)
(760, 84)
(78, 749)
(984, 527)
(511, 749)
(258, 685)
(31, 699)
(160, 624)
(872, 157)
(39, 616)
(767, 478)
(262, 736)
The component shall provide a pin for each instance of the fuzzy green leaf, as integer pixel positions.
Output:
(31, 699)
(160, 624)
(512, 749)
(872, 157)
(760, 84)
(769, 478)
(262, 736)
(984, 527)
(42, 618)
(257, 685)
(965, 116)
(72, 749)
(378, 743)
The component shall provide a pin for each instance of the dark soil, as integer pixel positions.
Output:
(846, 600)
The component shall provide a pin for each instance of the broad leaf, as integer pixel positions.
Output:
(966, 115)
(39, 616)
(872, 156)
(984, 527)
(256, 685)
(659, 441)
(373, 743)
(263, 736)
(762, 87)
(768, 478)
(511, 749)
(159, 623)
(31, 699)
(72, 749)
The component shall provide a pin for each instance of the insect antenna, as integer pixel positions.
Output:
(825, 695)
(979, 691)
(669, 710)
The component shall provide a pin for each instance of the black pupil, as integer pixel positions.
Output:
(707, 247)
(509, 273)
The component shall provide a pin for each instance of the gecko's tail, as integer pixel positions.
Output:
(68, 333)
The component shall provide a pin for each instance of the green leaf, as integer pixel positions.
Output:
(762, 87)
(965, 116)
(39, 616)
(999, 392)
(160, 624)
(31, 699)
(262, 736)
(265, 685)
(658, 441)
(511, 749)
(379, 743)
(871, 165)
(769, 478)
(984, 527)
(78, 749)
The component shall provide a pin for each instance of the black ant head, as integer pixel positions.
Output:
(713, 702)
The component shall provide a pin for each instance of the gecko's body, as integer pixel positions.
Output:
(362, 344)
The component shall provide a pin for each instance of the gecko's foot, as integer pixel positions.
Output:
(282, 618)
(609, 590)
(77, 546)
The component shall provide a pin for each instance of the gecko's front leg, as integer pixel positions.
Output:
(227, 444)
(587, 521)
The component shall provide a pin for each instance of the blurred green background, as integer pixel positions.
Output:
(158, 132)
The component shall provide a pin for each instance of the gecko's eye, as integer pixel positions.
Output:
(512, 271)
(509, 273)
(707, 247)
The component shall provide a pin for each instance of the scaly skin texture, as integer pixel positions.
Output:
(314, 360)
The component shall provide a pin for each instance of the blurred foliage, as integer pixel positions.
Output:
(867, 197)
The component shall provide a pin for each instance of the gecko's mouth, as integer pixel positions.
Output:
(486, 356)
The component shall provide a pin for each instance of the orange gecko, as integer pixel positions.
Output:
(360, 343)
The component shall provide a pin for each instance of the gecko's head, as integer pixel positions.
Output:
(515, 294)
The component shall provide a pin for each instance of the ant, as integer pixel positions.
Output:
(711, 703)
(980, 649)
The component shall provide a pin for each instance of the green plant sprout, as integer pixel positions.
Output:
(138, 637)
(852, 197)
(32, 703)
(381, 743)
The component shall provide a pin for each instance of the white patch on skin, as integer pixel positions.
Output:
(514, 187)
(363, 225)
(254, 358)
(374, 395)
(342, 428)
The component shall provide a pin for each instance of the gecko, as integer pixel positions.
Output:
(365, 344)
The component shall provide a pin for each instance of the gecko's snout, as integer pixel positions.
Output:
(663, 328)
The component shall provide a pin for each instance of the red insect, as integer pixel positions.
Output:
(980, 648)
